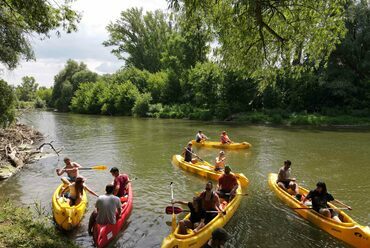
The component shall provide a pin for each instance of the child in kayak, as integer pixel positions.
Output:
(76, 190)
(197, 216)
(285, 181)
(200, 137)
(220, 161)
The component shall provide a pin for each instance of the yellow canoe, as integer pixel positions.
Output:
(217, 144)
(194, 240)
(349, 231)
(206, 170)
(67, 217)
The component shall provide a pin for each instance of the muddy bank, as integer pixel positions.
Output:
(18, 146)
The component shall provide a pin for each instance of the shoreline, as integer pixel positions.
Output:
(18, 147)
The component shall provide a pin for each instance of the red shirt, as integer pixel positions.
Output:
(122, 181)
(227, 182)
(224, 139)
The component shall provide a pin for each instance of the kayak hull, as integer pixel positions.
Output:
(67, 217)
(349, 231)
(196, 240)
(206, 170)
(104, 234)
(219, 145)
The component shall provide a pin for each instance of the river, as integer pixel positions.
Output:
(143, 148)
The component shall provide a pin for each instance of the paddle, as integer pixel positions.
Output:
(195, 155)
(97, 167)
(178, 210)
(326, 208)
(173, 222)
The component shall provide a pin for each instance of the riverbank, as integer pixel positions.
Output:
(17, 148)
(22, 227)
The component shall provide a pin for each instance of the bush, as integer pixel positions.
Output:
(142, 104)
(39, 103)
(7, 104)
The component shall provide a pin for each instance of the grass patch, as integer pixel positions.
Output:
(22, 227)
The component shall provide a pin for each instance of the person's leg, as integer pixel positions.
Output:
(293, 186)
(194, 160)
(281, 185)
(335, 216)
(92, 221)
(183, 224)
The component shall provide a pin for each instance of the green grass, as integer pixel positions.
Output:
(22, 227)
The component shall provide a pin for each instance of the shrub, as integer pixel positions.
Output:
(142, 104)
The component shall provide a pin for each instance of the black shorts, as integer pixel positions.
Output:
(209, 217)
(285, 183)
(222, 194)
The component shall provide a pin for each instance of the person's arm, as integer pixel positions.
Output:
(180, 202)
(119, 207)
(64, 190)
(200, 226)
(217, 204)
(90, 191)
(233, 191)
(183, 153)
(76, 165)
(60, 171)
(308, 197)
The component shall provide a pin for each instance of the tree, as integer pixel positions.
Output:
(67, 81)
(261, 37)
(27, 90)
(139, 39)
(44, 96)
(7, 104)
(21, 20)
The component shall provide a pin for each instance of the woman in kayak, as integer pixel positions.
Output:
(220, 161)
(225, 138)
(188, 154)
(197, 216)
(320, 198)
(76, 191)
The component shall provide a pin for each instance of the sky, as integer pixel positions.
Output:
(85, 45)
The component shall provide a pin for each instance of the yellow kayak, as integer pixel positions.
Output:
(67, 217)
(194, 240)
(349, 231)
(218, 144)
(206, 170)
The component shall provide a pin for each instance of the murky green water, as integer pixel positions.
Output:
(143, 148)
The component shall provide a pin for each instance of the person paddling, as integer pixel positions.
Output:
(320, 198)
(210, 202)
(76, 191)
(120, 182)
(220, 161)
(285, 181)
(197, 216)
(188, 154)
(108, 209)
(227, 184)
(225, 138)
(200, 137)
(71, 169)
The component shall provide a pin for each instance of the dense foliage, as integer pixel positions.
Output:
(7, 104)
(20, 20)
(67, 81)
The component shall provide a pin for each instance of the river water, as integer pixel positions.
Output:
(143, 148)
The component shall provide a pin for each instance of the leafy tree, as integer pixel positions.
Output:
(263, 36)
(44, 94)
(142, 105)
(67, 81)
(139, 39)
(27, 90)
(22, 19)
(7, 104)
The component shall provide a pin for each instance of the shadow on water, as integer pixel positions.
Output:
(143, 148)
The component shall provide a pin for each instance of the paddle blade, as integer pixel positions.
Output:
(173, 210)
(99, 167)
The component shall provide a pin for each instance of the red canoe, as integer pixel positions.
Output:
(103, 234)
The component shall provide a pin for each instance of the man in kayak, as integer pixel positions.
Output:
(227, 184)
(225, 138)
(200, 137)
(108, 209)
(188, 154)
(320, 198)
(285, 181)
(71, 169)
(218, 240)
(120, 182)
(197, 216)
(210, 202)
(220, 161)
